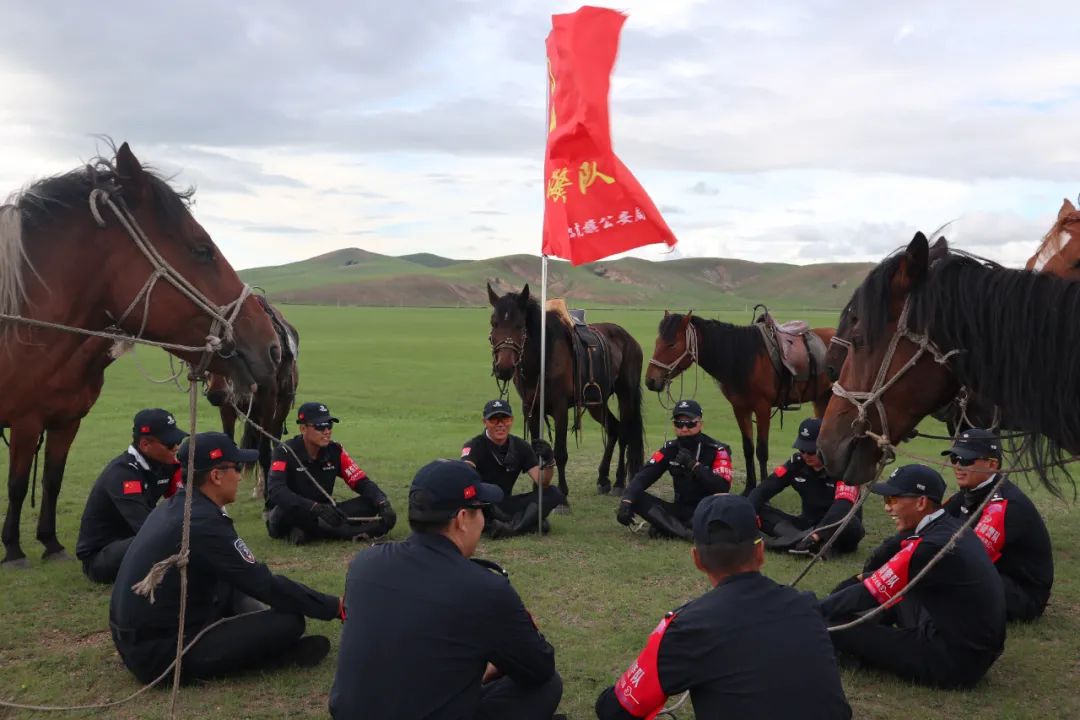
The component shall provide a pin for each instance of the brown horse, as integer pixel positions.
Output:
(919, 331)
(1059, 252)
(271, 403)
(515, 349)
(736, 357)
(66, 258)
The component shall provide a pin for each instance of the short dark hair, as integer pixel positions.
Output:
(201, 476)
(429, 527)
(726, 557)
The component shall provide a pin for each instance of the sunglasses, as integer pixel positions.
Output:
(962, 462)
(687, 424)
(500, 420)
(323, 427)
(227, 466)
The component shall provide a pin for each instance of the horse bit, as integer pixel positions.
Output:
(519, 352)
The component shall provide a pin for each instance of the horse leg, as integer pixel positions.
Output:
(743, 418)
(21, 454)
(611, 428)
(763, 419)
(560, 411)
(57, 445)
(228, 420)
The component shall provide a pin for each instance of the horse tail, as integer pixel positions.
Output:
(631, 424)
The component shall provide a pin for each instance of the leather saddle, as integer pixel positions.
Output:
(792, 346)
(592, 375)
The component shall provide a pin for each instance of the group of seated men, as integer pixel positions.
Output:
(420, 608)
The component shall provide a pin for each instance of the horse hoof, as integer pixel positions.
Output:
(563, 509)
(20, 564)
(59, 555)
(617, 491)
(603, 488)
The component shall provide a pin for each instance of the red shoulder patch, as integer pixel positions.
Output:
(278, 466)
(132, 487)
(780, 471)
(657, 456)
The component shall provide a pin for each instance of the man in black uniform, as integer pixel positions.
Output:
(126, 491)
(825, 501)
(225, 583)
(949, 628)
(699, 467)
(500, 458)
(298, 510)
(427, 632)
(1010, 528)
(748, 648)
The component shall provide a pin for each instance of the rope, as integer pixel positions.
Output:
(864, 493)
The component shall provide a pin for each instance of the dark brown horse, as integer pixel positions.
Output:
(66, 258)
(271, 403)
(515, 343)
(919, 331)
(736, 357)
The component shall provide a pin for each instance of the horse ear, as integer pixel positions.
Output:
(131, 174)
(492, 297)
(939, 249)
(913, 264)
(1067, 208)
(666, 314)
(686, 320)
(523, 298)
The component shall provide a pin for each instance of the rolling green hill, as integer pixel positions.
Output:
(358, 277)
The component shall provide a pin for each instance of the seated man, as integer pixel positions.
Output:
(1010, 528)
(298, 509)
(225, 583)
(126, 491)
(500, 458)
(430, 634)
(825, 501)
(950, 627)
(699, 467)
(748, 648)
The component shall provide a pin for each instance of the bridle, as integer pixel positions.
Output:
(690, 349)
(517, 348)
(860, 426)
(221, 337)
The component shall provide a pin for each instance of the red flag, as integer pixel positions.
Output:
(593, 207)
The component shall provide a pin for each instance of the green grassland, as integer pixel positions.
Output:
(408, 385)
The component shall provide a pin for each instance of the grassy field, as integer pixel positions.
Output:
(408, 385)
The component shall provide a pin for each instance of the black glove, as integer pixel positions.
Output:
(543, 451)
(328, 514)
(808, 543)
(685, 458)
(389, 517)
(625, 513)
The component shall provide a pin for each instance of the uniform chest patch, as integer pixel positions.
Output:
(799, 479)
(328, 466)
(244, 550)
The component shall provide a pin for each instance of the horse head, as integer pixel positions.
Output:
(509, 321)
(890, 378)
(1059, 252)
(674, 351)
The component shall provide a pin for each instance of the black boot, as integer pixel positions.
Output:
(666, 523)
(527, 521)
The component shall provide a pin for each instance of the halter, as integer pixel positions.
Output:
(223, 317)
(860, 426)
(690, 342)
(518, 350)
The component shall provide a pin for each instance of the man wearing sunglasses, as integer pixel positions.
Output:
(947, 630)
(1010, 528)
(825, 501)
(257, 617)
(501, 458)
(126, 491)
(699, 466)
(300, 511)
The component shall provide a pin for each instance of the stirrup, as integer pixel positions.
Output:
(598, 396)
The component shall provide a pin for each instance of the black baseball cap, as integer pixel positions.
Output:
(975, 444)
(806, 440)
(497, 407)
(214, 448)
(313, 413)
(686, 408)
(725, 519)
(442, 487)
(912, 481)
(158, 423)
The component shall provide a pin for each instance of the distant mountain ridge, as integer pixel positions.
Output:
(353, 276)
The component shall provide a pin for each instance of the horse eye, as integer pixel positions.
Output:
(203, 253)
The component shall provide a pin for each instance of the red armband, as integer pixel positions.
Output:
(350, 471)
(638, 690)
(846, 492)
(890, 579)
(175, 483)
(722, 465)
(991, 529)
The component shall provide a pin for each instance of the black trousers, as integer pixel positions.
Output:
(779, 524)
(280, 521)
(912, 649)
(1022, 603)
(102, 566)
(505, 698)
(239, 643)
(515, 504)
(667, 518)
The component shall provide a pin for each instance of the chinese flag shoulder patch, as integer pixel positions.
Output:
(132, 487)
(278, 466)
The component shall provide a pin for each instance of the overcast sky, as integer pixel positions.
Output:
(793, 131)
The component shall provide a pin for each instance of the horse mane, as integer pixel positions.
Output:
(974, 305)
(727, 352)
(36, 205)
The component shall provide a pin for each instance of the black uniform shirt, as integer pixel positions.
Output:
(500, 464)
(824, 500)
(1013, 533)
(961, 594)
(219, 563)
(421, 624)
(748, 648)
(712, 475)
(121, 499)
(289, 487)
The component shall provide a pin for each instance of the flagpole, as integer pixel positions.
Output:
(543, 383)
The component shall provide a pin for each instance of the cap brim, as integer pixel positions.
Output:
(807, 446)
(487, 494)
(318, 420)
(498, 413)
(244, 457)
(884, 488)
(172, 436)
